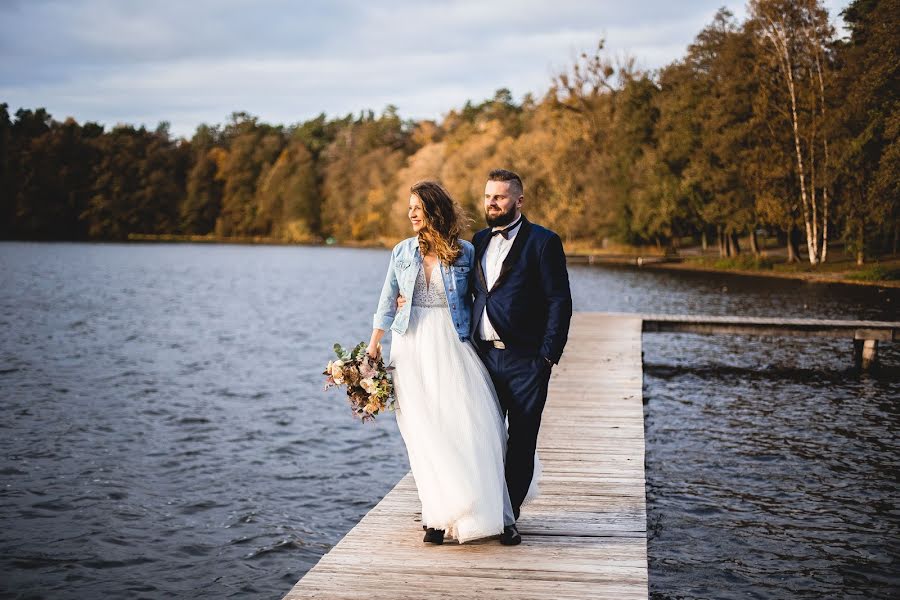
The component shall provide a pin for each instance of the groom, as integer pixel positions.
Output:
(520, 321)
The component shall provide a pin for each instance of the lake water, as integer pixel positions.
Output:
(164, 432)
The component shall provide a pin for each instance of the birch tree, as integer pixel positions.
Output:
(793, 34)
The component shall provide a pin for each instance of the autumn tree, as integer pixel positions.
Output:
(359, 170)
(287, 197)
(250, 147)
(868, 126)
(8, 177)
(597, 169)
(138, 183)
(792, 35)
(203, 198)
(766, 123)
(721, 166)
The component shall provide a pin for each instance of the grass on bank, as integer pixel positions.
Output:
(836, 267)
(745, 262)
(876, 272)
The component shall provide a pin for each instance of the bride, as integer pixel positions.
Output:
(447, 409)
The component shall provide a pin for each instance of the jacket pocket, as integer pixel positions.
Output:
(402, 263)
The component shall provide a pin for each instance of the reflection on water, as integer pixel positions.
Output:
(165, 433)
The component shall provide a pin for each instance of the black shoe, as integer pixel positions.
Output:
(510, 536)
(434, 536)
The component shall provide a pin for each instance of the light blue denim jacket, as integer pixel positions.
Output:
(406, 260)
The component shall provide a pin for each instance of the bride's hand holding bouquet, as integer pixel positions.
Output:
(370, 390)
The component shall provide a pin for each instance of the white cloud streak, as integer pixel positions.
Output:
(196, 62)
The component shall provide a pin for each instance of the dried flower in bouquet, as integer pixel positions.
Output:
(369, 386)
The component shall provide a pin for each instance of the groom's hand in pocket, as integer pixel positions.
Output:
(546, 364)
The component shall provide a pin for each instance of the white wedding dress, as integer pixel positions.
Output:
(450, 419)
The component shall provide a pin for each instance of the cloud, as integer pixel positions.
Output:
(193, 62)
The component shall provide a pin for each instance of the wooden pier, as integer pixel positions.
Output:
(584, 537)
(865, 334)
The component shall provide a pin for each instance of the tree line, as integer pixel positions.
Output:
(771, 124)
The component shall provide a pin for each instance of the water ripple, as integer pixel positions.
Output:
(165, 432)
(158, 398)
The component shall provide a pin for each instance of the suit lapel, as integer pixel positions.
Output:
(514, 252)
(479, 253)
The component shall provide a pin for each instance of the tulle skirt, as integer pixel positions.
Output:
(453, 427)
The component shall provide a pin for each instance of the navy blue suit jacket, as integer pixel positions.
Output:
(530, 304)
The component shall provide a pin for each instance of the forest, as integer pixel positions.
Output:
(773, 127)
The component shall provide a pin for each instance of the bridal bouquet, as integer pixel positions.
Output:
(369, 388)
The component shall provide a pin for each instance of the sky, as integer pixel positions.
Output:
(197, 61)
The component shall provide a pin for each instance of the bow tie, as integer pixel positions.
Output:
(508, 231)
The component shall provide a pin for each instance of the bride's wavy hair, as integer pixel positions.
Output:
(443, 221)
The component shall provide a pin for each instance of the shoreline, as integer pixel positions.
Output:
(696, 265)
(833, 277)
(624, 259)
(256, 240)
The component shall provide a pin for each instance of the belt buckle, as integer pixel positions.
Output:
(498, 344)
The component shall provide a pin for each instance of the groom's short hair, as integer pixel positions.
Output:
(509, 176)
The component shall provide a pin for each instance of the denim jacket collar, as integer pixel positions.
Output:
(406, 260)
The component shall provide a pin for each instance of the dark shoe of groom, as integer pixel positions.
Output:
(510, 536)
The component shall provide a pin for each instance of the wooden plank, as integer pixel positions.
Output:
(584, 537)
(762, 320)
(776, 327)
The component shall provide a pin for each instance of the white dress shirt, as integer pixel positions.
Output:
(491, 263)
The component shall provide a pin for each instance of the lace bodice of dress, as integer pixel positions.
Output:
(429, 296)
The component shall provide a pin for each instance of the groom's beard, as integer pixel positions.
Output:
(500, 219)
